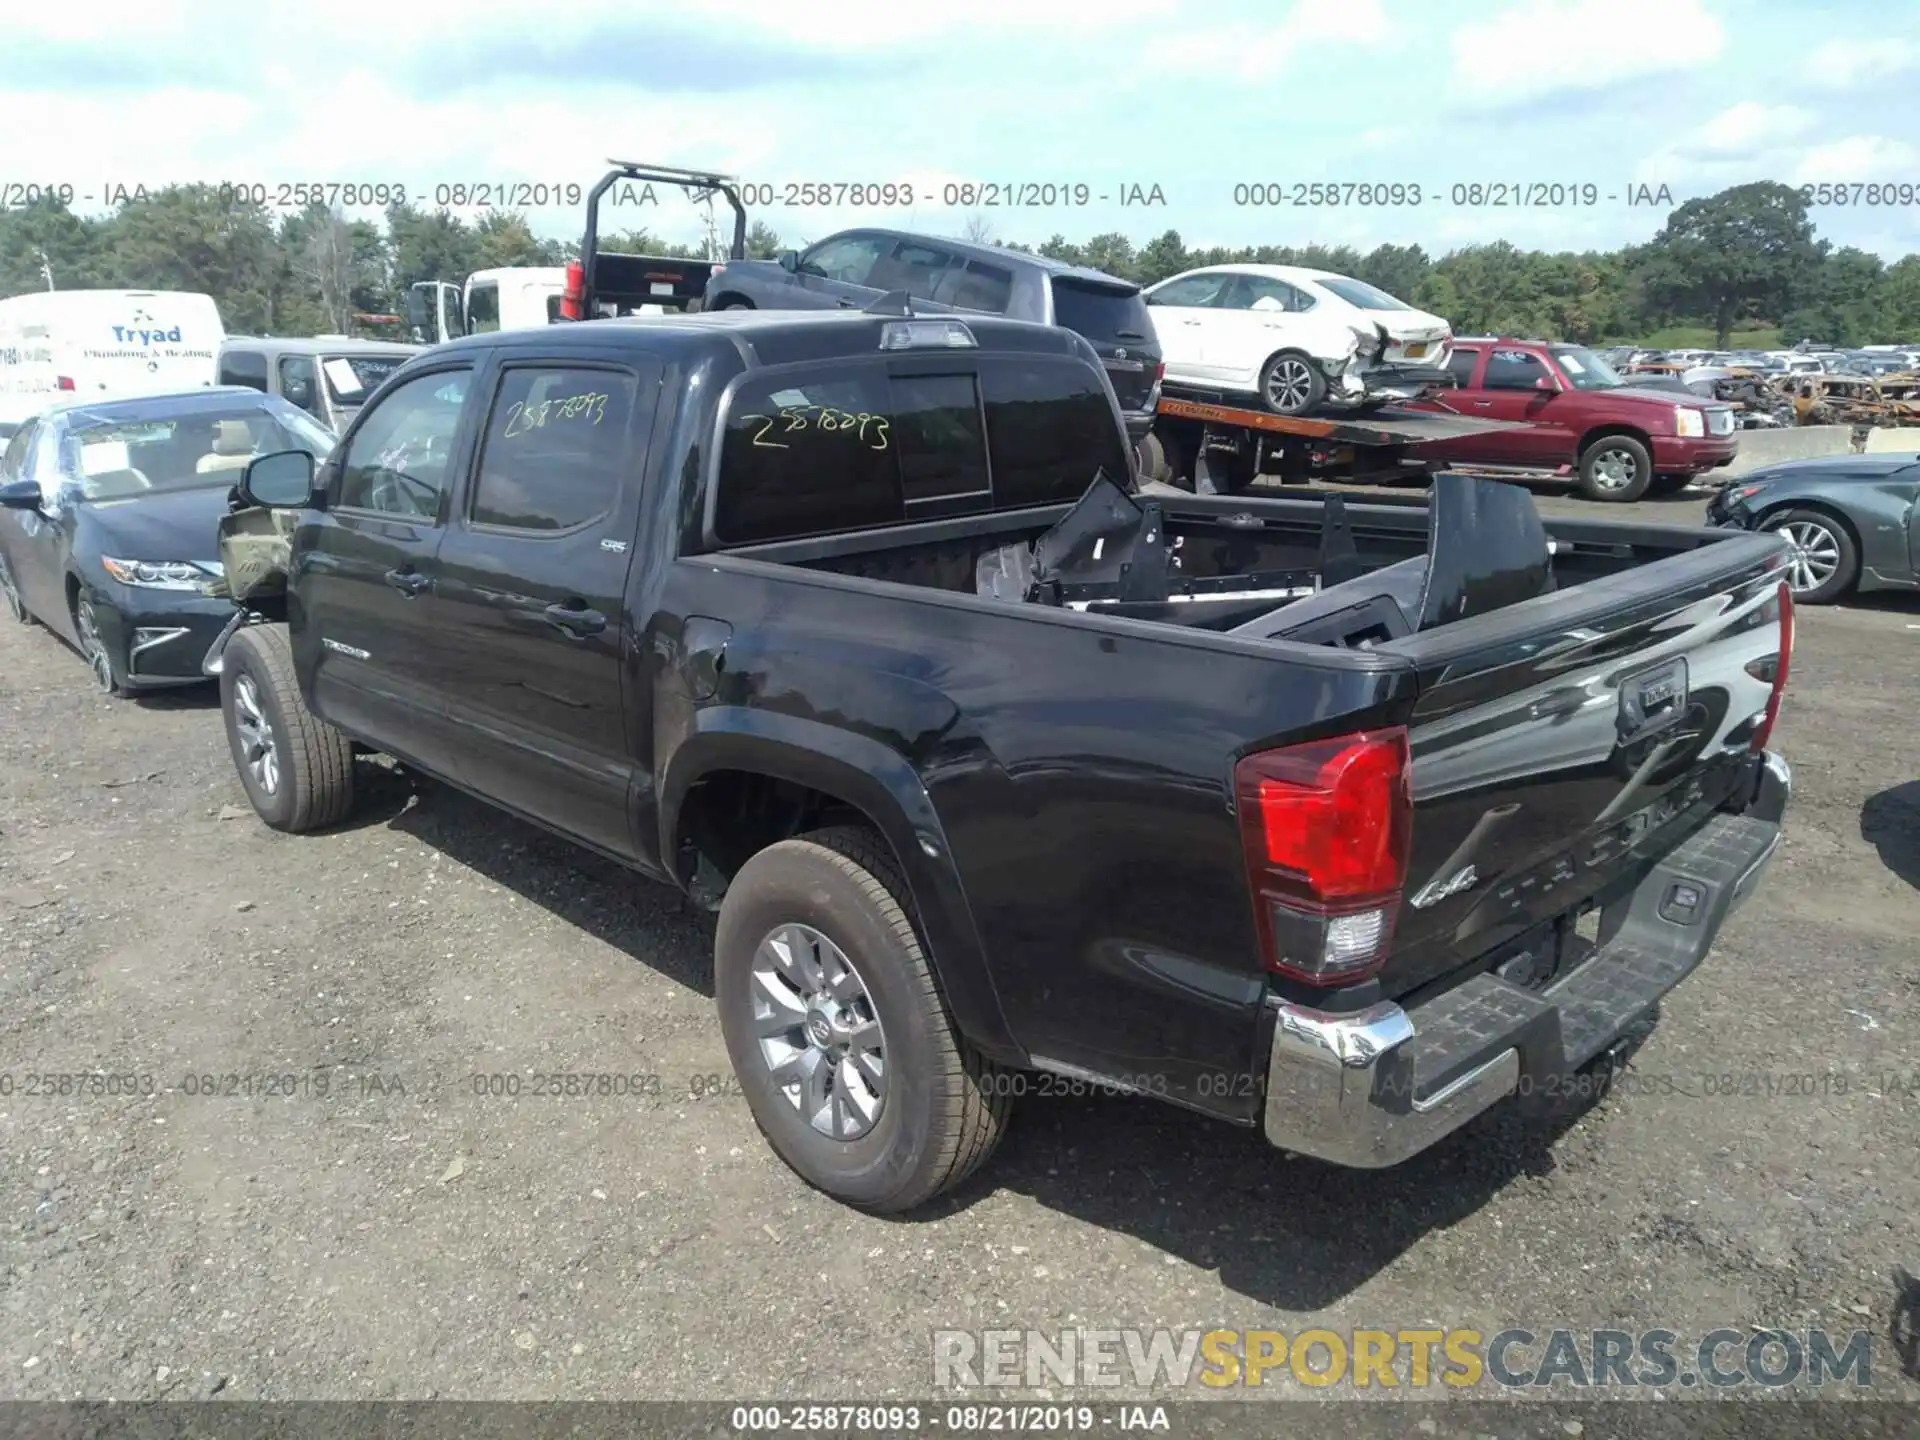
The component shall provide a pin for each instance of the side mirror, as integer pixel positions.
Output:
(1548, 384)
(281, 481)
(790, 261)
(20, 495)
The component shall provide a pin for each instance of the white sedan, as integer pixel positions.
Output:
(1297, 339)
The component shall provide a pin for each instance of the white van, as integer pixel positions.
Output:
(511, 297)
(66, 344)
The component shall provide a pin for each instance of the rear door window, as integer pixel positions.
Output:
(556, 448)
(1101, 312)
(807, 454)
(1514, 370)
(1460, 365)
(912, 266)
(978, 285)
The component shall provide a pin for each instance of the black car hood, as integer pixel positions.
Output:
(162, 525)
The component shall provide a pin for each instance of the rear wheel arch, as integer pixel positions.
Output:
(727, 796)
(733, 300)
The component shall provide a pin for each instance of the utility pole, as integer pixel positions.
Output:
(46, 269)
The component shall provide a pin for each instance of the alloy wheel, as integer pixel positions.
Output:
(1615, 468)
(1814, 554)
(1289, 384)
(93, 647)
(818, 1032)
(259, 750)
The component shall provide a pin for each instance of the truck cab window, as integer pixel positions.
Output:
(483, 308)
(555, 449)
(299, 382)
(1050, 425)
(396, 463)
(244, 367)
(912, 267)
(1460, 365)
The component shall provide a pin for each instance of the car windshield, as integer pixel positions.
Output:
(117, 456)
(352, 378)
(1359, 294)
(1587, 371)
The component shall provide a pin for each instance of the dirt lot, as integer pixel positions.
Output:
(401, 1235)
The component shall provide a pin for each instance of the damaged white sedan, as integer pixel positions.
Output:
(1298, 340)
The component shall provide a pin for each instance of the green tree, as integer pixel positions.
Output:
(1841, 300)
(47, 232)
(1162, 256)
(1396, 269)
(1732, 256)
(187, 237)
(763, 242)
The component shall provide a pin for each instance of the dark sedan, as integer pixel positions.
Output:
(109, 513)
(1853, 520)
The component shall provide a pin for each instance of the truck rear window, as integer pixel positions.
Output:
(1100, 312)
(848, 448)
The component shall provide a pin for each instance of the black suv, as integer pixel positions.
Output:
(852, 269)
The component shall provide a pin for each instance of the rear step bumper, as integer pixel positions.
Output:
(1371, 1088)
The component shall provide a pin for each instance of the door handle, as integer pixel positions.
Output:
(1483, 404)
(408, 582)
(846, 304)
(575, 620)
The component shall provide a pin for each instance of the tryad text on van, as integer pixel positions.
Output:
(108, 344)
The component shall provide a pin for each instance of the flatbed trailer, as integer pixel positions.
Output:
(1202, 442)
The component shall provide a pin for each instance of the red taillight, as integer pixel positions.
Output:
(1326, 828)
(1764, 730)
(1159, 372)
(573, 301)
(65, 382)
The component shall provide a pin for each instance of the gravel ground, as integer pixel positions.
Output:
(402, 1236)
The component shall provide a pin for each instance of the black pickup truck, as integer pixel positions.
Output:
(1343, 821)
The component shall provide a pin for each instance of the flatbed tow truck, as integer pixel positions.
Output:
(1203, 443)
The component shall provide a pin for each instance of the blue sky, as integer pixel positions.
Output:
(1194, 99)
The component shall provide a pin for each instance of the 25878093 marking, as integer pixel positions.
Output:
(1860, 192)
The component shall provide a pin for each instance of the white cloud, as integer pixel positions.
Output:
(1842, 64)
(1748, 128)
(1254, 51)
(1857, 157)
(1537, 47)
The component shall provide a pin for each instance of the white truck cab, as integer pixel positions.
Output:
(510, 297)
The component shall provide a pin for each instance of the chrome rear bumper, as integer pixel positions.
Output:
(1373, 1087)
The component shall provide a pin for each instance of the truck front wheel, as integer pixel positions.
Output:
(296, 769)
(837, 1030)
(1615, 467)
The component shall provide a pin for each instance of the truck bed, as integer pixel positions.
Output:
(1300, 616)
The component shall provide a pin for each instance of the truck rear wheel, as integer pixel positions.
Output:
(297, 769)
(1616, 468)
(839, 1035)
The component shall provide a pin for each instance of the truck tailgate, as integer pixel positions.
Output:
(1562, 745)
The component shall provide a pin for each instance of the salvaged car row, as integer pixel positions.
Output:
(867, 627)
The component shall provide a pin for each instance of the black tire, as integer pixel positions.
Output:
(312, 772)
(1291, 384)
(1611, 456)
(945, 1106)
(108, 677)
(1818, 539)
(10, 595)
(1669, 484)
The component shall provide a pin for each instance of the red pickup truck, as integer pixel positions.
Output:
(1580, 417)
